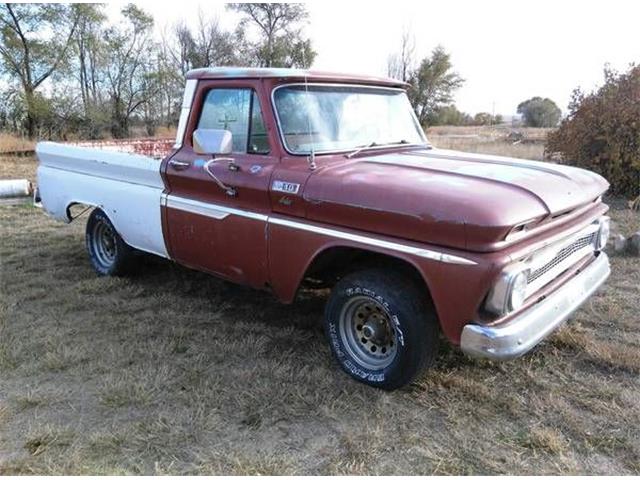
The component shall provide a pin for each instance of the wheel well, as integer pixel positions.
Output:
(334, 263)
(77, 209)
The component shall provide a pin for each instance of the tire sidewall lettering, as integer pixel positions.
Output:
(374, 376)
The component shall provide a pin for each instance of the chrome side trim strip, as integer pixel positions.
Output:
(220, 212)
(193, 207)
(420, 252)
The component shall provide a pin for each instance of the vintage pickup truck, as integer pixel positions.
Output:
(281, 178)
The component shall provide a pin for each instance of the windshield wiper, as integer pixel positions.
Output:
(376, 144)
(361, 148)
(407, 142)
(399, 142)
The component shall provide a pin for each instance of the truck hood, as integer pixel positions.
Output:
(445, 197)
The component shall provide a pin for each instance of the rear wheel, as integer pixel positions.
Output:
(109, 254)
(381, 327)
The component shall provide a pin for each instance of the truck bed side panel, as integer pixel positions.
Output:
(127, 187)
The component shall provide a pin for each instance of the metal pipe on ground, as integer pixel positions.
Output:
(15, 192)
(15, 188)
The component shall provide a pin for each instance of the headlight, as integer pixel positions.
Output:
(518, 290)
(510, 291)
(603, 232)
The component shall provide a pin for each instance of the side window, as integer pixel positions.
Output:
(258, 141)
(236, 110)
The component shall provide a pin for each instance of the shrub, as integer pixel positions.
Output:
(602, 132)
(449, 115)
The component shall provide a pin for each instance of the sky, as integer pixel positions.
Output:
(507, 51)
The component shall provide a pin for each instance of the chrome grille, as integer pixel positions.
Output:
(562, 255)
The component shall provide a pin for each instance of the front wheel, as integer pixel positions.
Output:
(109, 254)
(381, 328)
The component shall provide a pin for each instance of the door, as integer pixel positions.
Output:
(209, 229)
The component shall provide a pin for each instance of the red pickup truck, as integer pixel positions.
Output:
(280, 178)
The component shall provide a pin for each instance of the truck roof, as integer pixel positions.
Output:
(290, 74)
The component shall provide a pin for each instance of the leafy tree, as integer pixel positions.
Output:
(89, 49)
(281, 43)
(540, 112)
(485, 118)
(129, 82)
(602, 131)
(433, 84)
(12, 109)
(34, 43)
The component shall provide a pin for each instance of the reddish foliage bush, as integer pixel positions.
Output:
(602, 132)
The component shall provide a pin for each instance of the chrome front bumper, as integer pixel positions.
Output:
(523, 332)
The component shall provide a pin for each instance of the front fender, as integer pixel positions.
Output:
(457, 289)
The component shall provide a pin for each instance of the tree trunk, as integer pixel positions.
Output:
(30, 121)
(119, 121)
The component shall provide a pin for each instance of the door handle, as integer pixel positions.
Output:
(232, 192)
(179, 164)
(233, 166)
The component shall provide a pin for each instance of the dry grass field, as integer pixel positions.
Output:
(491, 140)
(173, 371)
(12, 143)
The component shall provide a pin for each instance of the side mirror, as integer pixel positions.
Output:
(212, 142)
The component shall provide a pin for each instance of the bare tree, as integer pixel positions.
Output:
(207, 45)
(212, 46)
(29, 52)
(400, 65)
(183, 48)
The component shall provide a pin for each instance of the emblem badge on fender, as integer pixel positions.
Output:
(286, 187)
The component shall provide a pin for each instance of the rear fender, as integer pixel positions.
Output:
(134, 209)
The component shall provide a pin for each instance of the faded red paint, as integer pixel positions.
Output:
(157, 148)
(451, 205)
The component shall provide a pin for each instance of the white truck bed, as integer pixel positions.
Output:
(126, 186)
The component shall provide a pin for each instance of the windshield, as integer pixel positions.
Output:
(342, 118)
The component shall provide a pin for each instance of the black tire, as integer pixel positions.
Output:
(398, 351)
(108, 253)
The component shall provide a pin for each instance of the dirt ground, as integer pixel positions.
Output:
(173, 371)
